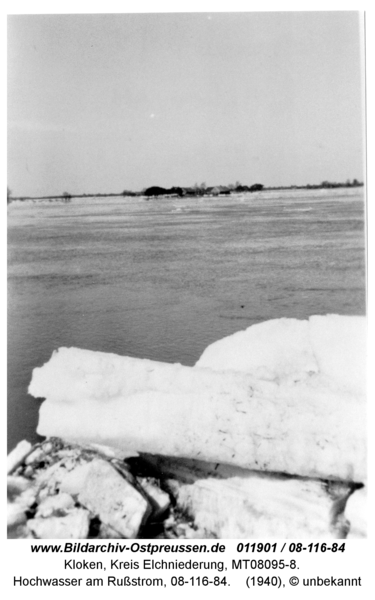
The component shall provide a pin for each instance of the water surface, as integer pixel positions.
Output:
(162, 279)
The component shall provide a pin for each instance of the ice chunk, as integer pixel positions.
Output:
(109, 496)
(16, 486)
(356, 513)
(58, 505)
(339, 344)
(15, 514)
(230, 502)
(293, 410)
(75, 525)
(277, 350)
(18, 455)
(159, 500)
(289, 350)
(258, 507)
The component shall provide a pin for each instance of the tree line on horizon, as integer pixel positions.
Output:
(195, 190)
(218, 190)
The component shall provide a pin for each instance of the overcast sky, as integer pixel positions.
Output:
(103, 103)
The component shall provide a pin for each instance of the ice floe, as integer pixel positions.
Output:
(284, 396)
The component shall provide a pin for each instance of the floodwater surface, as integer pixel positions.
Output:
(162, 279)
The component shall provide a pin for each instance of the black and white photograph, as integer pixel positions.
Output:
(187, 296)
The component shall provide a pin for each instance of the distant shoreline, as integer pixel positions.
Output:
(213, 191)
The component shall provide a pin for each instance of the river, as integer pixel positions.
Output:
(163, 278)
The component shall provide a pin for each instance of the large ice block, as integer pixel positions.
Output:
(303, 416)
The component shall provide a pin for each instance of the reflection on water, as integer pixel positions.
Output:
(162, 279)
